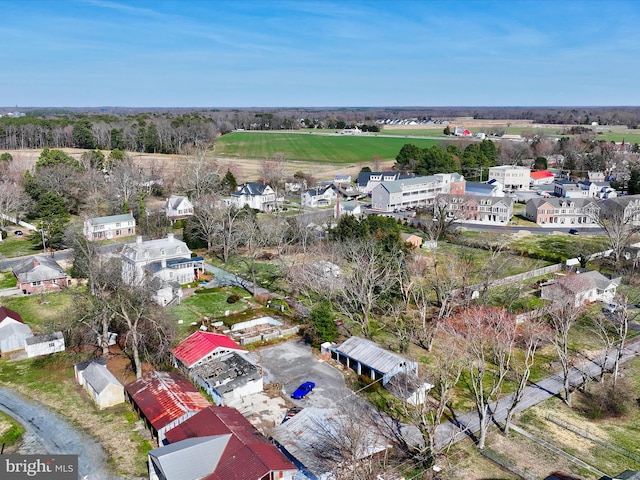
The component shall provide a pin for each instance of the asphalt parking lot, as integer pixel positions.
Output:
(292, 363)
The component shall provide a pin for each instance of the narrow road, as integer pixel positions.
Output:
(47, 433)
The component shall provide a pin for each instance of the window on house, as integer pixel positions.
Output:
(162, 252)
(35, 284)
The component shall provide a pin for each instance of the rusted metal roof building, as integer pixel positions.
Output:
(164, 400)
(218, 443)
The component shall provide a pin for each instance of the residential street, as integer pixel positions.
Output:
(468, 423)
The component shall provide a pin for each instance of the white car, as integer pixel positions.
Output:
(611, 308)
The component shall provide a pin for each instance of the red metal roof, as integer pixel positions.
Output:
(540, 174)
(200, 344)
(248, 454)
(5, 312)
(163, 397)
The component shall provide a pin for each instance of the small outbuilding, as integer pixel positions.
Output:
(13, 332)
(100, 384)
(44, 344)
(414, 240)
(370, 359)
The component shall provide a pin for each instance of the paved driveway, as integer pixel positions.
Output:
(292, 363)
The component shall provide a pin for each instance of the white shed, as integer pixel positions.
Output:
(44, 344)
(101, 385)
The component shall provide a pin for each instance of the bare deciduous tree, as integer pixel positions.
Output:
(12, 199)
(201, 174)
(366, 278)
(621, 328)
(347, 439)
(444, 371)
(563, 315)
(531, 335)
(619, 219)
(488, 335)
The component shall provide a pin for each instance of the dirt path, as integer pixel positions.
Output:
(46, 432)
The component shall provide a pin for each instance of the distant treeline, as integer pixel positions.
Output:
(173, 130)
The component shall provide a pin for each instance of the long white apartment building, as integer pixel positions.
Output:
(415, 192)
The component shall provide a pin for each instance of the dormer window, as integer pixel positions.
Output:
(179, 250)
(162, 252)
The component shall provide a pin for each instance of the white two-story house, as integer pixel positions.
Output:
(258, 196)
(320, 197)
(166, 262)
(178, 207)
(107, 228)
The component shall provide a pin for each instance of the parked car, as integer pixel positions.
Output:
(611, 308)
(574, 231)
(18, 232)
(303, 390)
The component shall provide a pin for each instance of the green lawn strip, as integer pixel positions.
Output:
(630, 137)
(7, 280)
(12, 433)
(340, 149)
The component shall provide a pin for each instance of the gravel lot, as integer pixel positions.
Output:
(292, 363)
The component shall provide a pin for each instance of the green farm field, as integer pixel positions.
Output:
(312, 147)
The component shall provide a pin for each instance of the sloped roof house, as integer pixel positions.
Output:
(40, 274)
(218, 443)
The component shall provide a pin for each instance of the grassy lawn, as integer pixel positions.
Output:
(42, 313)
(511, 264)
(621, 432)
(17, 246)
(210, 303)
(7, 279)
(631, 136)
(551, 247)
(10, 431)
(310, 147)
(50, 381)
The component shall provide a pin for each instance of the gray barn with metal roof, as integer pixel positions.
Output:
(370, 359)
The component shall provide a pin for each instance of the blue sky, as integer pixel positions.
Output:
(247, 53)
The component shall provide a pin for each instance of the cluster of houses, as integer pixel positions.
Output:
(197, 439)
(558, 202)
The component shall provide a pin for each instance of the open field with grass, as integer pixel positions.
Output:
(310, 147)
(43, 313)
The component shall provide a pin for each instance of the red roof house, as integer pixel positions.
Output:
(9, 316)
(164, 400)
(541, 177)
(200, 347)
(230, 449)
